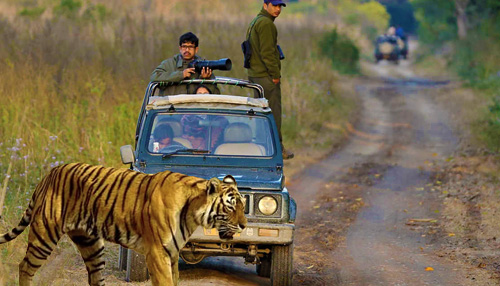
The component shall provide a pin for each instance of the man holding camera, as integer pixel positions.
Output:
(265, 66)
(177, 67)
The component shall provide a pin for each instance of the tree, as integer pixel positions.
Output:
(461, 10)
(436, 21)
(402, 14)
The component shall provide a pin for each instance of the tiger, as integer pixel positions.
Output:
(153, 214)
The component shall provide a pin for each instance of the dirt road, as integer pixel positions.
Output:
(387, 164)
(368, 213)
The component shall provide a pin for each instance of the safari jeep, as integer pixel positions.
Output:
(387, 48)
(240, 138)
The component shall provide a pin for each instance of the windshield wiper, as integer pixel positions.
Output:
(191, 151)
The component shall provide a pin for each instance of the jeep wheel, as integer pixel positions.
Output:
(191, 257)
(281, 265)
(136, 267)
(264, 268)
(122, 258)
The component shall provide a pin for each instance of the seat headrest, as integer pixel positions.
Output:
(175, 125)
(237, 132)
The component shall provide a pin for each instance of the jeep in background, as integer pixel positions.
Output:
(387, 48)
(240, 138)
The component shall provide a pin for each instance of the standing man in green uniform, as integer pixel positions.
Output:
(265, 66)
(176, 68)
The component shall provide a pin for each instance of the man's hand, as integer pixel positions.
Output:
(276, 80)
(187, 72)
(206, 72)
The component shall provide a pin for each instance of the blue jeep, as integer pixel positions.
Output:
(214, 135)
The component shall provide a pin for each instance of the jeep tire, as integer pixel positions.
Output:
(281, 265)
(136, 267)
(264, 268)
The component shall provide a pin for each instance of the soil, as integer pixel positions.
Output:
(404, 201)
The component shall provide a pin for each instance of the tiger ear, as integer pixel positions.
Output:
(228, 179)
(213, 186)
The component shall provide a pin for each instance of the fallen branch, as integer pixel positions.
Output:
(422, 220)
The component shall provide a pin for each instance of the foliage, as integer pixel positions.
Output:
(97, 12)
(304, 8)
(33, 12)
(68, 8)
(437, 21)
(476, 61)
(402, 14)
(475, 58)
(342, 51)
(489, 131)
(370, 16)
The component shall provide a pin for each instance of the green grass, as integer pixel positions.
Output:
(477, 64)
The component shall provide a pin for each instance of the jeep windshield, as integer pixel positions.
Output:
(195, 133)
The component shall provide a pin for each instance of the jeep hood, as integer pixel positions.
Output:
(253, 178)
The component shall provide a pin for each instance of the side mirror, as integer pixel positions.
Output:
(127, 154)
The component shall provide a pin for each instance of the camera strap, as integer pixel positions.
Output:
(249, 32)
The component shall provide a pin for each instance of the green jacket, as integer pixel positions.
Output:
(170, 70)
(265, 60)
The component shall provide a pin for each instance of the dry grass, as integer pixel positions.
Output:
(71, 89)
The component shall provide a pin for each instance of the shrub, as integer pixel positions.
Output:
(342, 51)
(491, 130)
(68, 8)
(32, 13)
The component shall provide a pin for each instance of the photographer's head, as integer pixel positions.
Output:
(188, 46)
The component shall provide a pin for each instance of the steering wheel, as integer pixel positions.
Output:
(170, 148)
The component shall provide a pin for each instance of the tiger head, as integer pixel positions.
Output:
(227, 212)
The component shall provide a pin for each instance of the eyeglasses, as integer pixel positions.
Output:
(187, 47)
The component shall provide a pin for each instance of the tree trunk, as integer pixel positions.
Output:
(460, 6)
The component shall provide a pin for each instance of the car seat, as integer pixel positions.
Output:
(238, 141)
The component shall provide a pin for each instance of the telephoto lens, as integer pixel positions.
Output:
(222, 64)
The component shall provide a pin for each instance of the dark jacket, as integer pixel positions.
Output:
(170, 70)
(265, 60)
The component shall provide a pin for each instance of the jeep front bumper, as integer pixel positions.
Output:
(254, 233)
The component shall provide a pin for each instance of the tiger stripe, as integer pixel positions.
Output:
(152, 214)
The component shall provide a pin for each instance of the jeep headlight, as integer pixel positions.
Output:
(268, 205)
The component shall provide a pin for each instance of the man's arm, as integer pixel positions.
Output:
(166, 71)
(208, 74)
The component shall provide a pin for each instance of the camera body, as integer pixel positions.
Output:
(222, 64)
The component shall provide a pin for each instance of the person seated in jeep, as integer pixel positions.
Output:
(202, 89)
(163, 139)
(197, 133)
(194, 132)
(218, 124)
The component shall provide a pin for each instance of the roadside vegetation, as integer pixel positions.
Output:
(73, 74)
(466, 33)
(464, 37)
